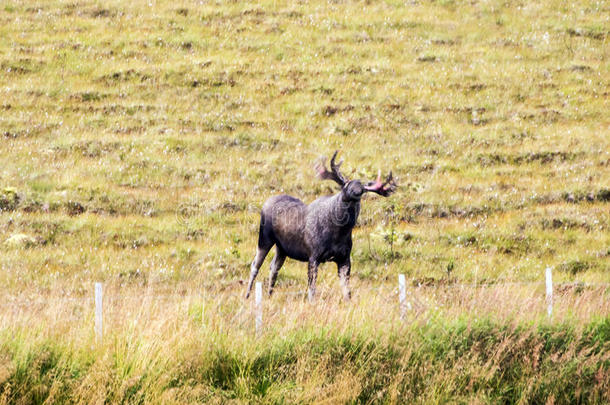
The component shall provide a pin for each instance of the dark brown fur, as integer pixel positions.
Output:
(315, 233)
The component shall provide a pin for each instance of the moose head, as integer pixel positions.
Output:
(354, 189)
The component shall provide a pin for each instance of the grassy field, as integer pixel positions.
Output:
(139, 139)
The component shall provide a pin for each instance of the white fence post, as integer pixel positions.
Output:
(99, 326)
(402, 295)
(549, 291)
(259, 306)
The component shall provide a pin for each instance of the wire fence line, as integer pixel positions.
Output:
(206, 292)
(228, 301)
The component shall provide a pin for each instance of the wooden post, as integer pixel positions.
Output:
(99, 326)
(259, 306)
(402, 295)
(549, 291)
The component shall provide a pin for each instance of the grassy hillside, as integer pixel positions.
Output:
(139, 140)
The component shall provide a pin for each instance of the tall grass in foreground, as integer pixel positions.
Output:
(457, 344)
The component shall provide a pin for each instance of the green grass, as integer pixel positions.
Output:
(462, 361)
(138, 141)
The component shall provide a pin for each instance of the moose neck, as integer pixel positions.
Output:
(345, 211)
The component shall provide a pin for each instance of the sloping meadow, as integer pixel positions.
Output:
(139, 140)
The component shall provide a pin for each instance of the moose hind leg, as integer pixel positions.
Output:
(276, 265)
(261, 253)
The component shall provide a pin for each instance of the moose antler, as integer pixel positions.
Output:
(385, 189)
(334, 173)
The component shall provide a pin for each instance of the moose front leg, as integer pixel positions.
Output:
(312, 275)
(344, 268)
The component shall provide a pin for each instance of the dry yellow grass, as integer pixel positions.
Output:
(139, 140)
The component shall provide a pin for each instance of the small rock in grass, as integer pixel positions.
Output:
(20, 240)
